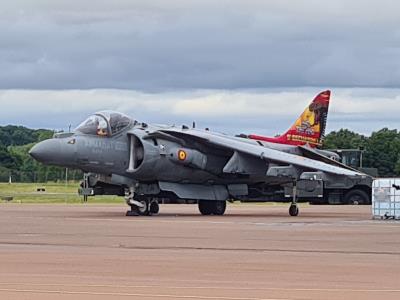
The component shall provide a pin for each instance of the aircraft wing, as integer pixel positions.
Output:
(312, 154)
(253, 149)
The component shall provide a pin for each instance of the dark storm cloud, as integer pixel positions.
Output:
(268, 111)
(166, 45)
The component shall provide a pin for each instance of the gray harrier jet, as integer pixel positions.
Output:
(151, 163)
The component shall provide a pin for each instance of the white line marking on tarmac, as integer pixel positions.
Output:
(130, 294)
(272, 223)
(206, 287)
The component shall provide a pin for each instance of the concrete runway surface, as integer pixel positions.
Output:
(254, 252)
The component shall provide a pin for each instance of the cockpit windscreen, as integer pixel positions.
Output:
(104, 123)
(118, 121)
(95, 125)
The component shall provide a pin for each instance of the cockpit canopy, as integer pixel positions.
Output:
(105, 123)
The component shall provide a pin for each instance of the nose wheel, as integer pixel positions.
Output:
(141, 205)
(143, 208)
(154, 207)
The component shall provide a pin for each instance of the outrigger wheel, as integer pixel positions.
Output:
(294, 210)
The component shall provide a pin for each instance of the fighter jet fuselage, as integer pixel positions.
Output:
(153, 161)
(154, 155)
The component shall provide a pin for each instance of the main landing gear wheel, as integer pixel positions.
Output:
(219, 208)
(207, 207)
(294, 210)
(204, 207)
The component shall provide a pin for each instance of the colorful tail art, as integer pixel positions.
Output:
(309, 128)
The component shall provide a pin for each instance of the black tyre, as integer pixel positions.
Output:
(132, 213)
(205, 207)
(145, 210)
(356, 197)
(293, 210)
(154, 207)
(219, 207)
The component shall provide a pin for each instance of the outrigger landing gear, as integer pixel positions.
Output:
(141, 205)
(85, 186)
(294, 208)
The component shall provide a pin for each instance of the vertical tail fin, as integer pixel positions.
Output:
(309, 128)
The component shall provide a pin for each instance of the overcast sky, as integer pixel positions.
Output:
(230, 65)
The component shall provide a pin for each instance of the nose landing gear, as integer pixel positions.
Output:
(154, 207)
(141, 205)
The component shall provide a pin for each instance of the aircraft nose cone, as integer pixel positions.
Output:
(45, 151)
(53, 152)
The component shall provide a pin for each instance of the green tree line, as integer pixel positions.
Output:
(381, 149)
(15, 161)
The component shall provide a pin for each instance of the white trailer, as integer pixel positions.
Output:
(386, 198)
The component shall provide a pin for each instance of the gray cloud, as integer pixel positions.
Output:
(263, 111)
(157, 46)
(234, 66)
